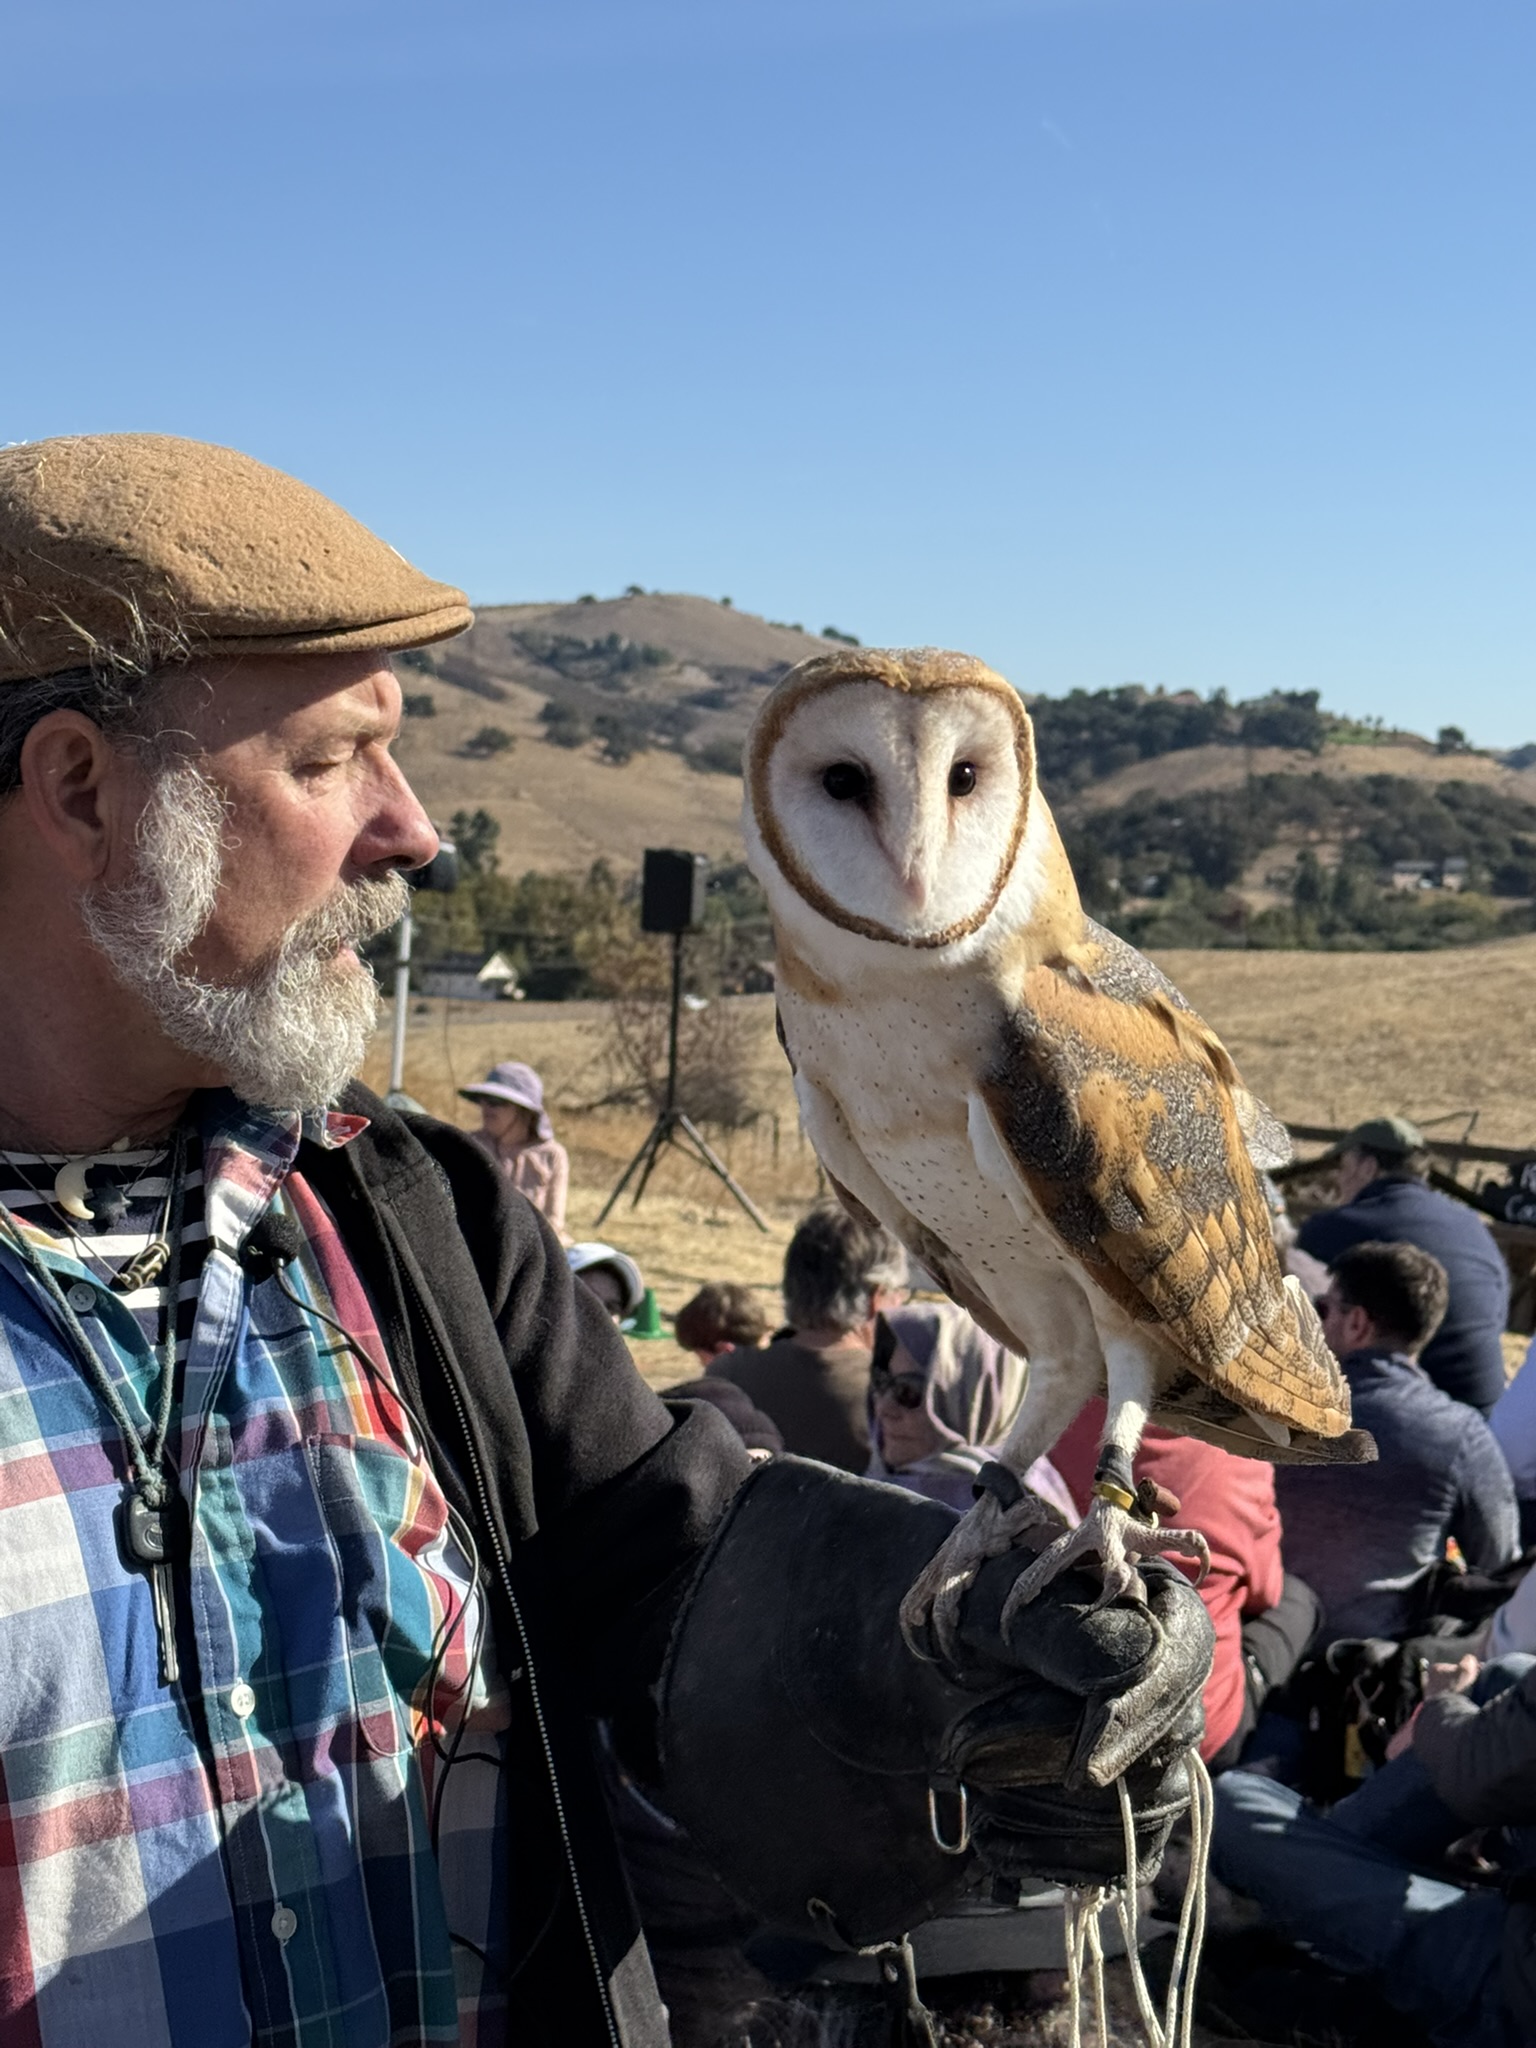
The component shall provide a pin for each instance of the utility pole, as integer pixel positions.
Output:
(402, 1002)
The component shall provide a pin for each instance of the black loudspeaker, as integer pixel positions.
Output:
(672, 890)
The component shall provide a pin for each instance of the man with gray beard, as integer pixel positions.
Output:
(331, 1510)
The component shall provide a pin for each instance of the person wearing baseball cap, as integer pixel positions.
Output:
(1384, 1196)
(332, 1507)
(515, 1129)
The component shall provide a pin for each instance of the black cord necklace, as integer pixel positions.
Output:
(153, 1533)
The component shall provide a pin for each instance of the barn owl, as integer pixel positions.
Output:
(1023, 1099)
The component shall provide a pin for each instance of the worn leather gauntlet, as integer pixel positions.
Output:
(835, 1780)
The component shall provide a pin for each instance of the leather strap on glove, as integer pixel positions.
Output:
(832, 1778)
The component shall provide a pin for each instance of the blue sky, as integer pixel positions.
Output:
(1179, 341)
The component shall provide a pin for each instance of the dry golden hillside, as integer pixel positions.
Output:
(561, 808)
(707, 666)
(1214, 767)
(1323, 1037)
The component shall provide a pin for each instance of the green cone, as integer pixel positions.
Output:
(646, 1321)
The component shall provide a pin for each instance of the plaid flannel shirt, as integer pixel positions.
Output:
(248, 1856)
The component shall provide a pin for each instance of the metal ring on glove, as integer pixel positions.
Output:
(950, 1848)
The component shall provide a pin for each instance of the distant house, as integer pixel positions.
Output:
(1413, 874)
(1428, 874)
(466, 978)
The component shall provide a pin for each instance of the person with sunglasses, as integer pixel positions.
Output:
(942, 1391)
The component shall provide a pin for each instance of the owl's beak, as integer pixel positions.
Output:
(914, 838)
(914, 873)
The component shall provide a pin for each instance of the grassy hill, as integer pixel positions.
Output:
(587, 731)
(626, 717)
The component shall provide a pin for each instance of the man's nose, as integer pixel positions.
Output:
(399, 834)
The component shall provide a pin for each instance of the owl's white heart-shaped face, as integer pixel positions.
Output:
(896, 813)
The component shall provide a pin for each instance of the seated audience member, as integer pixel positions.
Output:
(1359, 1888)
(1264, 1617)
(1513, 1422)
(612, 1276)
(813, 1379)
(722, 1316)
(942, 1391)
(1384, 1199)
(1367, 1539)
(758, 1431)
(517, 1133)
(1511, 1629)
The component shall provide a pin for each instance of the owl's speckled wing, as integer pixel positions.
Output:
(1126, 1120)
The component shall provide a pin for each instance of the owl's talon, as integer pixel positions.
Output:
(930, 1613)
(1115, 1537)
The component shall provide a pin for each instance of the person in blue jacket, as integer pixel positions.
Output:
(1384, 1196)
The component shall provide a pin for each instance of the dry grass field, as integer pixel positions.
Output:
(688, 1229)
(1323, 1037)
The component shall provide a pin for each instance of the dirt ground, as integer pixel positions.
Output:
(1324, 1037)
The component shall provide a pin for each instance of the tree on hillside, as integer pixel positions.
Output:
(1285, 718)
(564, 725)
(488, 741)
(475, 834)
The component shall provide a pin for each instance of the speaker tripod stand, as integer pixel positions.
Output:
(673, 1127)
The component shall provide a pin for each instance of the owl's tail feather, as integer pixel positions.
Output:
(1231, 1428)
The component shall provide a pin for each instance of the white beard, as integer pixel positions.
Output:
(295, 1029)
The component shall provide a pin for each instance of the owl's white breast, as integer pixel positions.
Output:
(902, 1067)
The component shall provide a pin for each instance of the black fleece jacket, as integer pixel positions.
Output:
(591, 1501)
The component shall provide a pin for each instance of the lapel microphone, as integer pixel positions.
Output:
(274, 1241)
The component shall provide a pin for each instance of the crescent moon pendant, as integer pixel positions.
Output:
(69, 1189)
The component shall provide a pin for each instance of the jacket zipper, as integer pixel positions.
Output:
(505, 1574)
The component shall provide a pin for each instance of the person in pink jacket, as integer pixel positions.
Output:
(517, 1133)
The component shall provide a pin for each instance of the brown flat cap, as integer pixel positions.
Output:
(143, 549)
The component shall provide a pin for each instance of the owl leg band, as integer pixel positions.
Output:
(1113, 1478)
(1005, 1487)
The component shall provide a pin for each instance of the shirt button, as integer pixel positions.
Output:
(81, 1297)
(285, 1923)
(242, 1702)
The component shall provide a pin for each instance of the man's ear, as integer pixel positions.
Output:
(1359, 1332)
(80, 793)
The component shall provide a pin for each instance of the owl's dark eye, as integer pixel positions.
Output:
(846, 783)
(962, 778)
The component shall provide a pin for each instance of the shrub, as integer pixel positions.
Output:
(418, 704)
(623, 734)
(716, 757)
(490, 740)
(563, 725)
